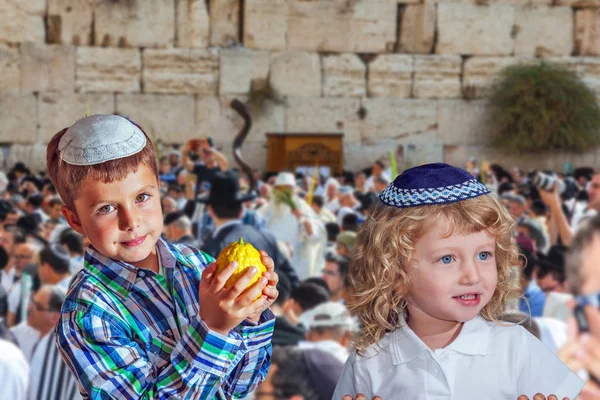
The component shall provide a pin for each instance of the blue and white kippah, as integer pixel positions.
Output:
(431, 184)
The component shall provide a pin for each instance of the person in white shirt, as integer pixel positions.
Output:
(14, 371)
(430, 283)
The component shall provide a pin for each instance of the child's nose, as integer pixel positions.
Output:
(470, 273)
(128, 220)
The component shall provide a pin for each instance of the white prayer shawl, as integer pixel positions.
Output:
(308, 256)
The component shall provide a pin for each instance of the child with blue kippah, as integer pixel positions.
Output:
(430, 279)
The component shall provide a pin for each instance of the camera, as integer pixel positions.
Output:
(546, 182)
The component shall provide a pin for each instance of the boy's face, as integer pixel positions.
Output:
(122, 219)
(454, 277)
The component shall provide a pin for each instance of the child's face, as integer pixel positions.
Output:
(446, 268)
(122, 219)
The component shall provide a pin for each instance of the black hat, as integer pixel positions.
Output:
(172, 217)
(225, 189)
(555, 259)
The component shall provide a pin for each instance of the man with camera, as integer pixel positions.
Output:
(202, 159)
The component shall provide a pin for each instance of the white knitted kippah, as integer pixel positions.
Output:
(99, 138)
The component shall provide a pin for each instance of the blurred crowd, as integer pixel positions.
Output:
(308, 223)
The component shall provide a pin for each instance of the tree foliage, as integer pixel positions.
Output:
(536, 107)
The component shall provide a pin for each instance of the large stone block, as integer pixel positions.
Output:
(360, 26)
(192, 23)
(345, 76)
(266, 24)
(242, 70)
(407, 120)
(126, 23)
(165, 118)
(490, 2)
(463, 122)
(181, 71)
(70, 21)
(47, 67)
(296, 74)
(320, 115)
(22, 21)
(10, 69)
(108, 70)
(224, 22)
(475, 30)
(481, 73)
(544, 31)
(391, 76)
(18, 113)
(417, 30)
(61, 110)
(32, 155)
(437, 77)
(587, 32)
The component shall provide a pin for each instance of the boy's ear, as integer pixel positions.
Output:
(72, 219)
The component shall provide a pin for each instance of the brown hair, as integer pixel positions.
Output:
(379, 270)
(67, 178)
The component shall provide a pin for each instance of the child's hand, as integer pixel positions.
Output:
(540, 396)
(270, 291)
(223, 309)
(360, 396)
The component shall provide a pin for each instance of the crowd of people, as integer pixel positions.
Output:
(308, 225)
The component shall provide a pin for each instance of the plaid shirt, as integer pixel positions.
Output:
(129, 333)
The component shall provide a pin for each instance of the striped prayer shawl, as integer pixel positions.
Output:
(51, 378)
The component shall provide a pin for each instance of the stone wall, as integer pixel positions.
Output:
(387, 73)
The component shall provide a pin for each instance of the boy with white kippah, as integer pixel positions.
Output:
(146, 318)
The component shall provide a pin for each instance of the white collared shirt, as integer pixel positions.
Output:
(486, 361)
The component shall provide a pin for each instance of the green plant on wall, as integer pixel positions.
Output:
(536, 107)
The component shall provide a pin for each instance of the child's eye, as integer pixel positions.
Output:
(484, 255)
(446, 259)
(142, 197)
(105, 209)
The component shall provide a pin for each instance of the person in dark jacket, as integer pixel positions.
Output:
(224, 204)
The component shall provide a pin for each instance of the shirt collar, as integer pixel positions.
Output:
(472, 340)
(225, 225)
(120, 276)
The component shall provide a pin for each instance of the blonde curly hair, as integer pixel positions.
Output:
(379, 269)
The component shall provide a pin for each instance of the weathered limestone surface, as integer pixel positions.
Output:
(266, 24)
(490, 2)
(400, 119)
(61, 110)
(166, 117)
(544, 31)
(480, 73)
(18, 113)
(70, 21)
(243, 69)
(578, 3)
(587, 32)
(305, 114)
(437, 77)
(476, 30)
(22, 21)
(10, 69)
(391, 75)
(417, 31)
(135, 23)
(224, 22)
(344, 76)
(462, 122)
(192, 23)
(296, 74)
(181, 71)
(363, 26)
(108, 70)
(47, 67)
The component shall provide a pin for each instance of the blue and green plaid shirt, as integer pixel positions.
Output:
(129, 333)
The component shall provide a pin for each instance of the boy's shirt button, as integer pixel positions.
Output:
(142, 274)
